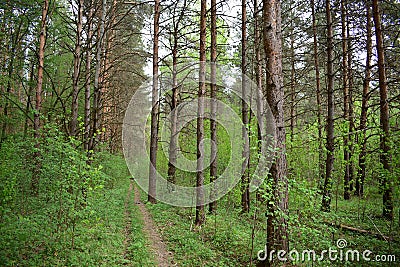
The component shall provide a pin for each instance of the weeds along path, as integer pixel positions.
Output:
(162, 256)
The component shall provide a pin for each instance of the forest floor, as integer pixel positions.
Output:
(157, 247)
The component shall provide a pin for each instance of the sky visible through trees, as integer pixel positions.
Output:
(234, 128)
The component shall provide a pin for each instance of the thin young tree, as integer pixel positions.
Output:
(154, 111)
(384, 116)
(77, 69)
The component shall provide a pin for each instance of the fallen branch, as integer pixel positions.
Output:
(361, 231)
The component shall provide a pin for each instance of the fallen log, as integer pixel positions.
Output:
(361, 231)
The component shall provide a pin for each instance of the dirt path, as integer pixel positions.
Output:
(128, 221)
(162, 256)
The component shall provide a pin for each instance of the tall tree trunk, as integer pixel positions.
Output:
(259, 81)
(38, 104)
(77, 67)
(351, 108)
(245, 117)
(276, 215)
(87, 76)
(154, 110)
(384, 116)
(292, 81)
(97, 83)
(213, 89)
(172, 153)
(364, 106)
(345, 77)
(200, 215)
(318, 95)
(330, 140)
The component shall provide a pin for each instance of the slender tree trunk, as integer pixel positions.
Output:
(259, 81)
(38, 105)
(200, 215)
(318, 95)
(276, 216)
(154, 110)
(364, 106)
(351, 109)
(384, 116)
(77, 65)
(345, 77)
(172, 154)
(213, 89)
(87, 77)
(97, 84)
(29, 98)
(330, 140)
(292, 82)
(245, 117)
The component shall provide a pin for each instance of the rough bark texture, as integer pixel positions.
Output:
(330, 141)
(97, 84)
(384, 116)
(364, 106)
(245, 118)
(38, 104)
(345, 77)
(87, 77)
(200, 215)
(274, 93)
(318, 94)
(213, 89)
(154, 110)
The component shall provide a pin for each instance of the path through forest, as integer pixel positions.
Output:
(157, 247)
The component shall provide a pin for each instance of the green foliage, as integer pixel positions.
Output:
(77, 217)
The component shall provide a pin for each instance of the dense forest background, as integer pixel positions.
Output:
(327, 70)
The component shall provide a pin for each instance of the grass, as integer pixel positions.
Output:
(39, 238)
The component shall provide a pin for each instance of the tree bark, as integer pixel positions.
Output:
(274, 93)
(154, 110)
(97, 102)
(200, 215)
(330, 140)
(245, 117)
(345, 77)
(364, 106)
(213, 89)
(321, 173)
(38, 104)
(87, 77)
(384, 117)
